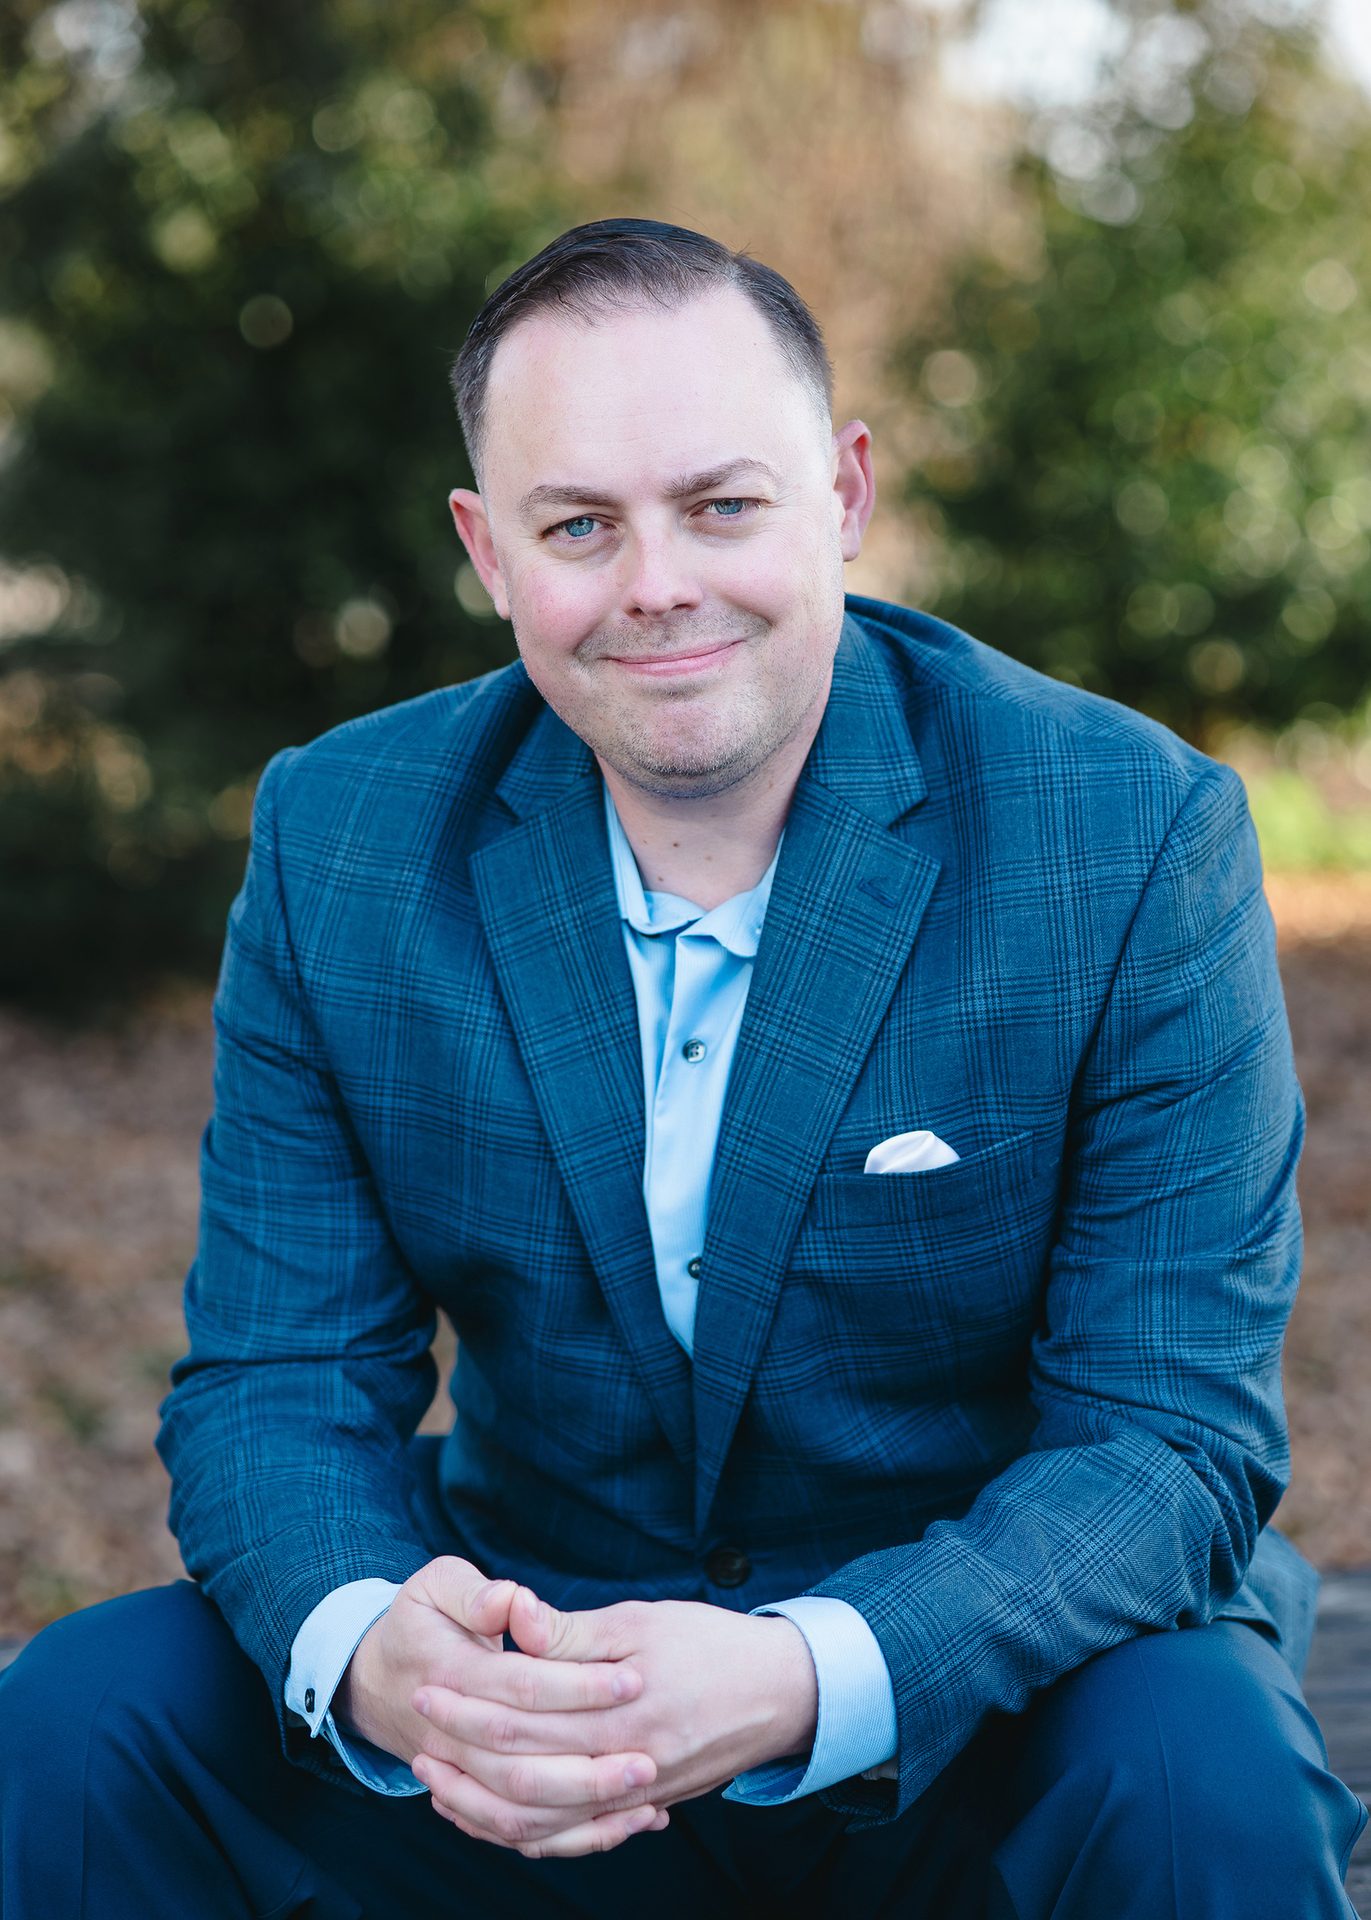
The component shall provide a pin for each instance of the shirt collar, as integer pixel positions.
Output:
(735, 923)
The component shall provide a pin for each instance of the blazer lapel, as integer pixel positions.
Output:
(545, 893)
(845, 907)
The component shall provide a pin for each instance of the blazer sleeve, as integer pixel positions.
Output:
(1160, 1449)
(309, 1368)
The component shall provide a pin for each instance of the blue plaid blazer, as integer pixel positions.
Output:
(1014, 1410)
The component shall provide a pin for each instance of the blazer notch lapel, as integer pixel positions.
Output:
(545, 894)
(844, 912)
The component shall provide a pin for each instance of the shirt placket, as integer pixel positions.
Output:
(705, 1005)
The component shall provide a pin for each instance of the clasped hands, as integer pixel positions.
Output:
(586, 1734)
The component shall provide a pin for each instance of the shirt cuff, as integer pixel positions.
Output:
(857, 1730)
(319, 1655)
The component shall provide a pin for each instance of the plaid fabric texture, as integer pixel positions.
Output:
(1015, 1410)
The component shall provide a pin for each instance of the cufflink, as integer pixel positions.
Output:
(309, 1699)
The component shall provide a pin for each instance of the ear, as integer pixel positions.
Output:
(473, 528)
(854, 485)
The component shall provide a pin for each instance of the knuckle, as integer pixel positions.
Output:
(519, 1783)
(512, 1827)
(597, 1687)
(610, 1791)
(525, 1687)
(503, 1733)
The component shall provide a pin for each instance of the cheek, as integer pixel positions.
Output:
(787, 593)
(554, 613)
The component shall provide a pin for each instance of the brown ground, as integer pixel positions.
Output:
(98, 1143)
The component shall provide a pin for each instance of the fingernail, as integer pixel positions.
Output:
(421, 1703)
(638, 1774)
(420, 1771)
(622, 1685)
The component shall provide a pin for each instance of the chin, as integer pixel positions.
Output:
(683, 775)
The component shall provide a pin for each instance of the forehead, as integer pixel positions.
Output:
(685, 386)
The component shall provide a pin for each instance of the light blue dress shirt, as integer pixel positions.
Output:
(691, 972)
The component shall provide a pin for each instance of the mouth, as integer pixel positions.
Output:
(668, 665)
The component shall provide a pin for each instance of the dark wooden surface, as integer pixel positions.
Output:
(1337, 1686)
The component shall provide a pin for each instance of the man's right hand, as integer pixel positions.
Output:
(445, 1628)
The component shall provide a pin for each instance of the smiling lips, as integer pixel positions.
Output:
(661, 666)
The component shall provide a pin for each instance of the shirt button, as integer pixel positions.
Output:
(728, 1566)
(693, 1267)
(694, 1051)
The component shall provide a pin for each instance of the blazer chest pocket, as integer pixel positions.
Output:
(929, 1281)
(1004, 1180)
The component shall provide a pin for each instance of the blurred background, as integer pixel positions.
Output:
(1094, 271)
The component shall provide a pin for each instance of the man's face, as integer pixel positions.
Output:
(664, 518)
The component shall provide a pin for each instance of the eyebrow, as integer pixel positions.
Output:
(678, 489)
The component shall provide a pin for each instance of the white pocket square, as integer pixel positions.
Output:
(909, 1153)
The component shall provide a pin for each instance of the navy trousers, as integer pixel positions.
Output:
(1179, 1775)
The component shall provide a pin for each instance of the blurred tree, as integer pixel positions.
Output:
(1142, 442)
(819, 136)
(236, 247)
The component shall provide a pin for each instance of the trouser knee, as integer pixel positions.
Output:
(131, 1671)
(1178, 1774)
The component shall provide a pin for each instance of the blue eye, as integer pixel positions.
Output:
(729, 509)
(585, 521)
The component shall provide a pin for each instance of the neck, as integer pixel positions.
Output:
(709, 848)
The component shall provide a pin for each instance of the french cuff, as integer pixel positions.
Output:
(856, 1732)
(319, 1655)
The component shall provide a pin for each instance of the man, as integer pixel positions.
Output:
(837, 1083)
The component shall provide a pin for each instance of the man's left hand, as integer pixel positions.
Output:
(722, 1692)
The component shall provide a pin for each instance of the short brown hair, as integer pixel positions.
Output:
(592, 268)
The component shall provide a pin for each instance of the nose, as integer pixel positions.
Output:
(659, 577)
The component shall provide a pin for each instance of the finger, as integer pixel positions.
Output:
(497, 1728)
(487, 1611)
(594, 1634)
(592, 1836)
(530, 1621)
(608, 1782)
(597, 1836)
(533, 1831)
(538, 1686)
(466, 1595)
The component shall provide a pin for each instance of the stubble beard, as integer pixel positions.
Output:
(699, 762)
(638, 740)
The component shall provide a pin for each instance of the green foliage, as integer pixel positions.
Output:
(1142, 451)
(237, 248)
(1298, 829)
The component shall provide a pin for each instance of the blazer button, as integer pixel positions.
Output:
(728, 1566)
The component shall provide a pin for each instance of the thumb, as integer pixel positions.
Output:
(536, 1627)
(466, 1595)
